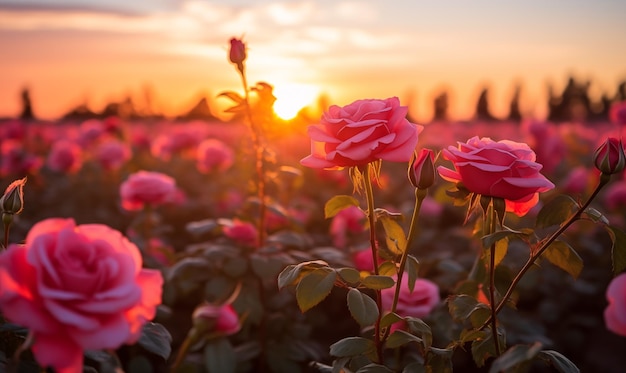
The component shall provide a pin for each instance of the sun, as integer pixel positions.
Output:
(292, 97)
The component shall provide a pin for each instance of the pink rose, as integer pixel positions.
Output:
(609, 157)
(237, 53)
(214, 155)
(221, 320)
(113, 154)
(419, 303)
(422, 169)
(65, 156)
(362, 132)
(145, 187)
(242, 232)
(503, 169)
(77, 288)
(615, 312)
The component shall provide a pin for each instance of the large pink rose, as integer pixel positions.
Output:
(77, 288)
(503, 169)
(146, 187)
(362, 132)
(418, 303)
(615, 312)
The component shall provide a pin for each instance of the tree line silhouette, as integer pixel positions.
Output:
(572, 104)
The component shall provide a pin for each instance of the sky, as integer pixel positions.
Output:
(166, 54)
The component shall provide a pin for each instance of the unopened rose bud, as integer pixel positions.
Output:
(216, 320)
(12, 201)
(609, 158)
(422, 169)
(237, 52)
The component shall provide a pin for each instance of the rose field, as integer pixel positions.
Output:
(354, 241)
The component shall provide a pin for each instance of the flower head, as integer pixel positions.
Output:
(615, 312)
(422, 169)
(12, 201)
(237, 53)
(76, 288)
(362, 132)
(609, 158)
(145, 187)
(503, 169)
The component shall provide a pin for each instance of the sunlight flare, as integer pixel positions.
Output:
(291, 98)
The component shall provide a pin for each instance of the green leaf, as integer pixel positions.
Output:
(292, 274)
(389, 319)
(352, 346)
(560, 362)
(338, 203)
(618, 251)
(349, 275)
(374, 368)
(362, 308)
(412, 267)
(482, 349)
(439, 360)
(394, 235)
(556, 211)
(219, 356)
(156, 339)
(516, 359)
(377, 282)
(265, 266)
(563, 256)
(314, 288)
(419, 327)
(502, 247)
(464, 307)
(387, 268)
(506, 233)
(400, 338)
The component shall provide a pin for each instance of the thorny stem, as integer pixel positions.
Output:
(604, 179)
(259, 159)
(372, 223)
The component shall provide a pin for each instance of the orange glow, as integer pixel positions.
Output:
(291, 98)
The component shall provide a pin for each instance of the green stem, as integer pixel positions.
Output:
(490, 226)
(420, 194)
(604, 179)
(372, 223)
(259, 160)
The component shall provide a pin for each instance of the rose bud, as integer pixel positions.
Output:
(609, 158)
(422, 169)
(237, 52)
(12, 202)
(216, 320)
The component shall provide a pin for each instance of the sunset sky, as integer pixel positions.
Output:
(92, 51)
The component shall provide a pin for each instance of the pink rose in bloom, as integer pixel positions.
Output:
(347, 222)
(222, 320)
(419, 303)
(503, 169)
(618, 112)
(548, 144)
(65, 156)
(145, 187)
(615, 312)
(242, 232)
(113, 154)
(364, 261)
(609, 158)
(90, 132)
(77, 288)
(180, 140)
(362, 132)
(213, 155)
